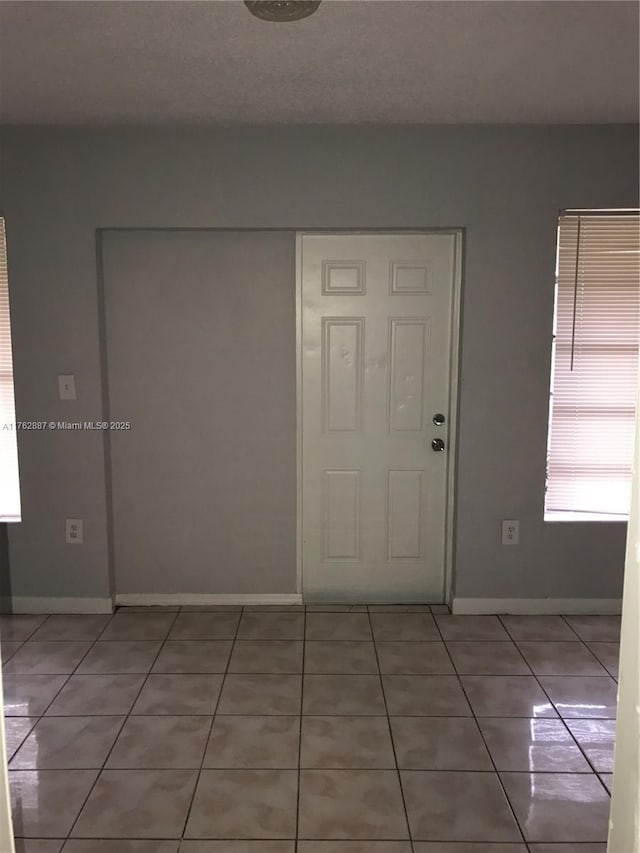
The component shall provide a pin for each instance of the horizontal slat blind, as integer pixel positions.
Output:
(595, 365)
(9, 484)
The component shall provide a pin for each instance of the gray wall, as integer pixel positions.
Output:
(504, 185)
(200, 327)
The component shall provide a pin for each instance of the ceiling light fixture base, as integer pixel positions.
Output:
(282, 11)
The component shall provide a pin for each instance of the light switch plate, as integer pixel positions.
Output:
(67, 386)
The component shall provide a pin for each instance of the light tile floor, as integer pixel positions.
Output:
(310, 730)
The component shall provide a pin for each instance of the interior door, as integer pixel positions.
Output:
(375, 372)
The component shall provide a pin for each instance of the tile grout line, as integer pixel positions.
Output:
(393, 746)
(213, 719)
(126, 718)
(302, 677)
(475, 718)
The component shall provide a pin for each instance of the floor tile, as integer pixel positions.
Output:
(558, 806)
(8, 649)
(336, 608)
(597, 629)
(266, 656)
(346, 742)
(467, 847)
(546, 628)
(16, 729)
(402, 608)
(211, 608)
(343, 695)
(404, 626)
(507, 696)
(193, 656)
(274, 608)
(351, 804)
(440, 608)
(100, 846)
(582, 696)
(29, 695)
(568, 848)
(205, 626)
(261, 694)
(608, 654)
(19, 628)
(45, 803)
(254, 742)
(560, 659)
(179, 694)
(119, 658)
(47, 658)
(67, 743)
(160, 743)
(425, 696)
(244, 804)
(439, 743)
(271, 626)
(150, 608)
(138, 626)
(338, 626)
(65, 628)
(137, 804)
(467, 628)
(597, 739)
(84, 695)
(532, 745)
(354, 847)
(414, 659)
(486, 658)
(340, 657)
(457, 807)
(38, 845)
(238, 847)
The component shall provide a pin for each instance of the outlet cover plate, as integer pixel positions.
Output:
(511, 531)
(73, 531)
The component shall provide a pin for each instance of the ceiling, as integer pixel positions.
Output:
(354, 61)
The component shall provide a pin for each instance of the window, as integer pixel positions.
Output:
(594, 372)
(9, 484)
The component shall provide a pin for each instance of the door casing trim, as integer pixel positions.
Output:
(454, 356)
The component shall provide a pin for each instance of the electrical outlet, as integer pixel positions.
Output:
(73, 531)
(511, 531)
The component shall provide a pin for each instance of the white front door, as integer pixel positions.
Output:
(375, 360)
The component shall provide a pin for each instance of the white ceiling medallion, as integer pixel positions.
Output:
(282, 10)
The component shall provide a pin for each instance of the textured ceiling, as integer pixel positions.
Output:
(382, 61)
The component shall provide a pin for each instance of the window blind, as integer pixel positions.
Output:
(9, 483)
(595, 365)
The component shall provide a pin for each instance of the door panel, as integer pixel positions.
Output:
(376, 313)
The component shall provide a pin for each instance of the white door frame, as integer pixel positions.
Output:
(458, 233)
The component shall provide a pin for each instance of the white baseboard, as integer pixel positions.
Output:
(135, 599)
(46, 604)
(538, 606)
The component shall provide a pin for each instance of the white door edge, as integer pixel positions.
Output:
(448, 575)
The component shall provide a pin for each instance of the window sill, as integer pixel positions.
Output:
(585, 517)
(9, 519)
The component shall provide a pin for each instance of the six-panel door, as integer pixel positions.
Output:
(375, 339)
